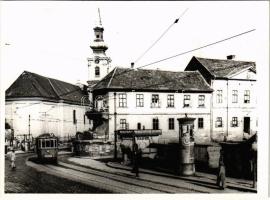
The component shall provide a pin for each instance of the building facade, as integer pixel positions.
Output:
(151, 99)
(37, 104)
(233, 105)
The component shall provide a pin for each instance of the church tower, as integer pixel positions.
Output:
(98, 63)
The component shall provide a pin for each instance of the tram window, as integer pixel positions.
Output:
(52, 145)
(47, 143)
(43, 144)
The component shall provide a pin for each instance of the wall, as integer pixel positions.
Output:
(45, 117)
(145, 115)
(239, 110)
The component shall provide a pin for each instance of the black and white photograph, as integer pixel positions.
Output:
(134, 97)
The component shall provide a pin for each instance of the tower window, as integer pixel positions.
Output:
(97, 72)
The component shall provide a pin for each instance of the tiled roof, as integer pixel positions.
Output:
(142, 79)
(225, 68)
(29, 85)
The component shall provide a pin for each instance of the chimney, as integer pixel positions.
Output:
(230, 57)
(132, 65)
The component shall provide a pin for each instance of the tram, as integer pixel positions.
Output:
(47, 147)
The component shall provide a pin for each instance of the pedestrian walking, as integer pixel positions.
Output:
(221, 176)
(12, 159)
(136, 160)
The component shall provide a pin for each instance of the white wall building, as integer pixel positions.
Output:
(43, 105)
(233, 106)
(151, 99)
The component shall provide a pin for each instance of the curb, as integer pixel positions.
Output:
(230, 186)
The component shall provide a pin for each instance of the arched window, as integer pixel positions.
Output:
(97, 72)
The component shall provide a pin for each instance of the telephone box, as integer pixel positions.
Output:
(186, 146)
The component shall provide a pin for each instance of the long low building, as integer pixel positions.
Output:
(36, 104)
(151, 99)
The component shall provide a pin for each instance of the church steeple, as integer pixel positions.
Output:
(98, 63)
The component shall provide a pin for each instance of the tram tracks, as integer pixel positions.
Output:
(131, 181)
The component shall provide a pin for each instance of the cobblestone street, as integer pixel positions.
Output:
(27, 180)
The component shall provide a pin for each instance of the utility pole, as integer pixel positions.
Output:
(115, 134)
(29, 131)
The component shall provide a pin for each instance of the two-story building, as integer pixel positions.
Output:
(36, 104)
(151, 99)
(233, 102)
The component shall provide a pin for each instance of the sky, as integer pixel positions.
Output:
(52, 38)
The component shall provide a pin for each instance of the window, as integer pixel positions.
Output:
(122, 100)
(201, 100)
(171, 123)
(97, 71)
(200, 122)
(48, 142)
(246, 96)
(155, 101)
(219, 96)
(234, 122)
(155, 124)
(235, 96)
(170, 100)
(219, 122)
(186, 100)
(123, 124)
(74, 117)
(139, 100)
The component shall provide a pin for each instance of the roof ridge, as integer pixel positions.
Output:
(54, 90)
(225, 59)
(204, 66)
(111, 77)
(50, 78)
(32, 80)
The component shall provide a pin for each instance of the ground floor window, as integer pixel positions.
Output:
(123, 124)
(219, 122)
(200, 122)
(234, 122)
(171, 123)
(155, 124)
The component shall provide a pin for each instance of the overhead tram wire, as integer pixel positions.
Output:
(211, 44)
(180, 54)
(176, 21)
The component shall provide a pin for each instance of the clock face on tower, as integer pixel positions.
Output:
(97, 60)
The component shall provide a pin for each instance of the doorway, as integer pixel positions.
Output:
(247, 125)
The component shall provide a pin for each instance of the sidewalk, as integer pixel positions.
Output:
(201, 180)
